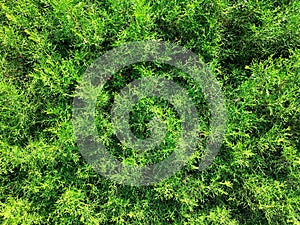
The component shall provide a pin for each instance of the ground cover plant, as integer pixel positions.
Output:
(252, 47)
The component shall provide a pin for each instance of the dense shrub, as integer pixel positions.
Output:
(251, 46)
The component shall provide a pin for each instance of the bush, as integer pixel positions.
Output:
(252, 47)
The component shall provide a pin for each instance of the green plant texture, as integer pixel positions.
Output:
(251, 47)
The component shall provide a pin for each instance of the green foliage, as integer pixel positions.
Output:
(251, 46)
